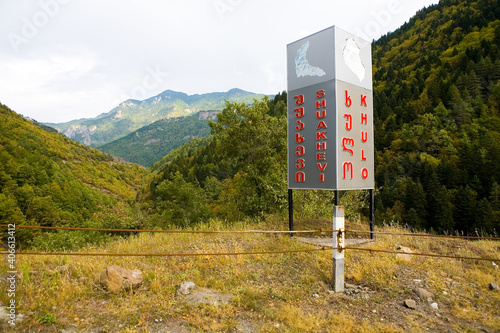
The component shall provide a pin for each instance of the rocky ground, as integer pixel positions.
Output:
(258, 293)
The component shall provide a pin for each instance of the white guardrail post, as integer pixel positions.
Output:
(338, 254)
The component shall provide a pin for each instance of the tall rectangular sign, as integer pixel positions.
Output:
(330, 112)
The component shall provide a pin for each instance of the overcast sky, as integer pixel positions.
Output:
(68, 59)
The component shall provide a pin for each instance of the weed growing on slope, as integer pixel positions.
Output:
(261, 292)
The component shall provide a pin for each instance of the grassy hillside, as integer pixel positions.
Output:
(261, 293)
(49, 180)
(437, 128)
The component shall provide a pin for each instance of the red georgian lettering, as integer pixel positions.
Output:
(300, 150)
(321, 115)
(363, 158)
(363, 100)
(299, 112)
(364, 118)
(348, 141)
(321, 145)
(300, 125)
(348, 124)
(347, 167)
(322, 167)
(299, 99)
(322, 177)
(321, 104)
(320, 156)
(320, 93)
(364, 136)
(301, 163)
(320, 135)
(364, 173)
(321, 125)
(300, 177)
(299, 138)
(348, 101)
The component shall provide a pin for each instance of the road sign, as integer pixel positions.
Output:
(330, 112)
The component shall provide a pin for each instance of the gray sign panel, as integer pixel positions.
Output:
(310, 60)
(330, 112)
(353, 59)
(312, 124)
(355, 157)
(330, 54)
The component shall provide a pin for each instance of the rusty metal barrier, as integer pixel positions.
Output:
(248, 252)
(422, 235)
(174, 231)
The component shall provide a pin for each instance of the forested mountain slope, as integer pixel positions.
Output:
(437, 95)
(437, 138)
(437, 123)
(49, 180)
(237, 172)
(150, 143)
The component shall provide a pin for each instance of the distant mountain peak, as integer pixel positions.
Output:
(237, 90)
(116, 123)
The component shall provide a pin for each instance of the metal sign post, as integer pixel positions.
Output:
(330, 117)
(338, 252)
(372, 214)
(290, 211)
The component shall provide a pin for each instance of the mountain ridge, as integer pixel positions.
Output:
(131, 114)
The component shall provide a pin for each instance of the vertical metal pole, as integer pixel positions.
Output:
(372, 214)
(338, 254)
(336, 200)
(290, 211)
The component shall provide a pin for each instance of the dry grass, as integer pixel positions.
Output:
(268, 293)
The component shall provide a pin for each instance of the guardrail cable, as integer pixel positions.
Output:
(421, 254)
(248, 252)
(167, 254)
(175, 231)
(420, 235)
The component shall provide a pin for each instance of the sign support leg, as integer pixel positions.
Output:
(338, 254)
(372, 214)
(290, 211)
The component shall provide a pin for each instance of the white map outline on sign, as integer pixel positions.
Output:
(302, 66)
(352, 59)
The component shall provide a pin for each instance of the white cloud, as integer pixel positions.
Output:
(275, 76)
(89, 54)
(59, 82)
